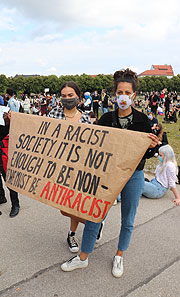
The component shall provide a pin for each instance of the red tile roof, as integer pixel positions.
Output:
(165, 70)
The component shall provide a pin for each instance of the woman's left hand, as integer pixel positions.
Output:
(154, 140)
(6, 118)
(177, 201)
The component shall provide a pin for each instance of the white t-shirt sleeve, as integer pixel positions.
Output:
(171, 174)
(167, 178)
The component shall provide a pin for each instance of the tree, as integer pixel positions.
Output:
(107, 82)
(18, 84)
(3, 83)
(85, 82)
(97, 83)
(164, 81)
(151, 84)
(38, 85)
(170, 85)
(28, 85)
(64, 78)
(176, 83)
(158, 85)
(52, 83)
(143, 86)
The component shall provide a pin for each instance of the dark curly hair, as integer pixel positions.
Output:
(10, 91)
(126, 75)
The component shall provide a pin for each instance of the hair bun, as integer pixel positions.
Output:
(124, 73)
(118, 74)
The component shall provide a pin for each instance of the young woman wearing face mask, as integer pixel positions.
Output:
(157, 129)
(70, 97)
(152, 120)
(124, 117)
(165, 176)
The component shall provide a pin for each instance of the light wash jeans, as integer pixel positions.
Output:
(104, 109)
(130, 196)
(153, 189)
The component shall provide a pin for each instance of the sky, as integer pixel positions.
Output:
(88, 36)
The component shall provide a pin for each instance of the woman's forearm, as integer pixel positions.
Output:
(176, 194)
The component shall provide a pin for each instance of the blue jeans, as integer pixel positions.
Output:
(104, 109)
(130, 196)
(153, 189)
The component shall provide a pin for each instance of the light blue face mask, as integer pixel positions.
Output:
(161, 159)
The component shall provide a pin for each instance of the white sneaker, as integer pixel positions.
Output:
(74, 263)
(117, 270)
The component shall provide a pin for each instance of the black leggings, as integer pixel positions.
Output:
(96, 109)
(13, 194)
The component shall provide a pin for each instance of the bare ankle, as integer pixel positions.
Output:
(119, 253)
(83, 256)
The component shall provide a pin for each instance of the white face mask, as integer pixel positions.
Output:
(124, 101)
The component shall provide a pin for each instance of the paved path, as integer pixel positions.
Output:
(33, 245)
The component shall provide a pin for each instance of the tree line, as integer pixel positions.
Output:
(37, 84)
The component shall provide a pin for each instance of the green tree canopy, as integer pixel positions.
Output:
(3, 83)
(86, 82)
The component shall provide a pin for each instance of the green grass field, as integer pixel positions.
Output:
(173, 135)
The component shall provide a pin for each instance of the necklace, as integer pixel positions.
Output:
(73, 115)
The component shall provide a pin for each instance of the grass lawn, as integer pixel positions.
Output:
(173, 135)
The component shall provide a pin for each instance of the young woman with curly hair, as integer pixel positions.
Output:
(124, 117)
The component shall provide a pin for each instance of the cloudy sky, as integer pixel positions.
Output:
(87, 36)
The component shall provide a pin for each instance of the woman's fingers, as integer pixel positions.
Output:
(5, 115)
(6, 118)
(154, 140)
(176, 201)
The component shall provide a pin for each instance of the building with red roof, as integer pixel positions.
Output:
(158, 70)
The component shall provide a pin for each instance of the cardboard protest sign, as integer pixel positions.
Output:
(78, 168)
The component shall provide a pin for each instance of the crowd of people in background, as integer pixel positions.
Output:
(42, 104)
(125, 110)
(166, 104)
(153, 104)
